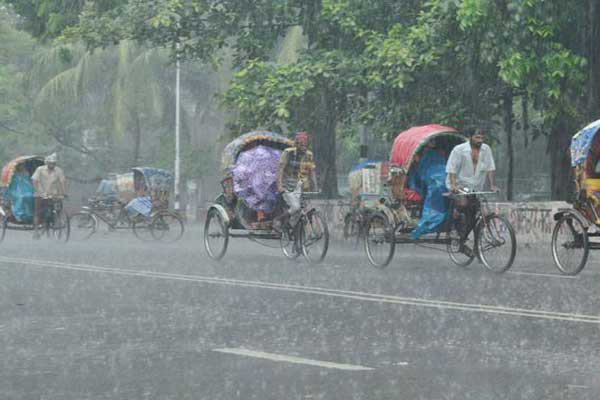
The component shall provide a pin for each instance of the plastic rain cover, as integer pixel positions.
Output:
(255, 177)
(429, 179)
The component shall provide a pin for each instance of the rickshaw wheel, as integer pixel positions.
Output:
(354, 229)
(3, 227)
(288, 244)
(314, 238)
(570, 244)
(453, 246)
(60, 228)
(142, 228)
(167, 227)
(380, 243)
(83, 225)
(496, 243)
(216, 235)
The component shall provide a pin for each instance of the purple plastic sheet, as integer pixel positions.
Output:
(255, 177)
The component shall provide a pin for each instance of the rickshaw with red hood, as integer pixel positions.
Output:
(419, 209)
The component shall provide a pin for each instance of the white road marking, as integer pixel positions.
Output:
(354, 295)
(541, 274)
(577, 387)
(292, 359)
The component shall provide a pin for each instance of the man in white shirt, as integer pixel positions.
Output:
(469, 164)
(48, 182)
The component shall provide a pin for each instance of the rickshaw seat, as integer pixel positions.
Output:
(412, 196)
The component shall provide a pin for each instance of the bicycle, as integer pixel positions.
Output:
(485, 238)
(305, 232)
(356, 221)
(55, 221)
(85, 223)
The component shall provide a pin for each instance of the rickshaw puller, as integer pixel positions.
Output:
(49, 182)
(295, 165)
(468, 166)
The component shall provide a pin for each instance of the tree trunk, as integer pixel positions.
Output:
(323, 139)
(593, 56)
(560, 159)
(137, 138)
(508, 127)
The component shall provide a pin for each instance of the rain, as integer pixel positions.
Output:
(319, 199)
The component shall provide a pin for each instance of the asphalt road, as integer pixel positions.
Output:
(116, 318)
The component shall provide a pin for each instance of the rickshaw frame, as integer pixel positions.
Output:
(54, 211)
(582, 221)
(390, 213)
(144, 227)
(231, 225)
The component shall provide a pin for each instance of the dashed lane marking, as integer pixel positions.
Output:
(291, 359)
(347, 294)
(541, 274)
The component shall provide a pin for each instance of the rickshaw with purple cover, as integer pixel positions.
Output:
(575, 226)
(139, 202)
(249, 203)
(425, 214)
(17, 205)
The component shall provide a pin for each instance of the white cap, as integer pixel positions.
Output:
(52, 158)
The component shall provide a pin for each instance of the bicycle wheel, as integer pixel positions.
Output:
(461, 254)
(314, 238)
(288, 243)
(570, 244)
(496, 243)
(142, 228)
(380, 243)
(353, 229)
(3, 226)
(83, 225)
(167, 227)
(59, 226)
(216, 235)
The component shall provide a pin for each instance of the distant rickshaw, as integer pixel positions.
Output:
(138, 200)
(248, 204)
(17, 205)
(366, 182)
(575, 226)
(396, 217)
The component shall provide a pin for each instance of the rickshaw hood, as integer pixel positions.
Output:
(9, 169)
(582, 142)
(407, 143)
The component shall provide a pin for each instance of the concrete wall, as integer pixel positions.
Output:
(532, 221)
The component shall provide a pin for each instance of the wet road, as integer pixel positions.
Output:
(115, 318)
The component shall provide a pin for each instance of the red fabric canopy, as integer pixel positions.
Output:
(407, 143)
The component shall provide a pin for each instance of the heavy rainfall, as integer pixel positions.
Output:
(317, 199)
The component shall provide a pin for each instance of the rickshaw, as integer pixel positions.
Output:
(575, 226)
(366, 182)
(248, 204)
(17, 205)
(397, 216)
(150, 187)
(106, 205)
